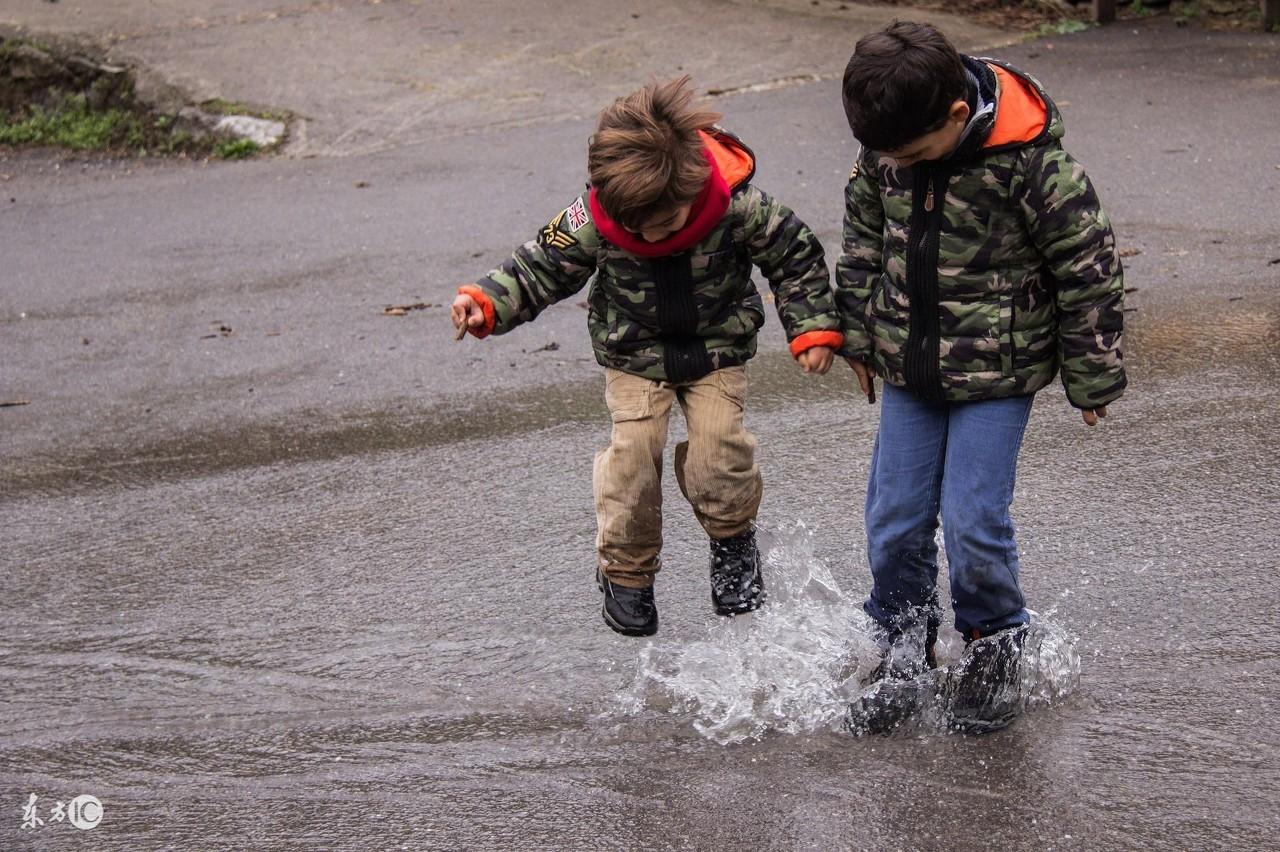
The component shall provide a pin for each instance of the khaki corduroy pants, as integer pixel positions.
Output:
(715, 468)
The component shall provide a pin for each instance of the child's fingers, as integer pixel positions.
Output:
(1090, 419)
(864, 382)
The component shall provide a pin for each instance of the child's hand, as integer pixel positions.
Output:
(466, 314)
(1091, 415)
(816, 359)
(866, 381)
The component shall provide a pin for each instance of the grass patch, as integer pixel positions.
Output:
(1069, 25)
(1187, 13)
(237, 149)
(221, 106)
(73, 125)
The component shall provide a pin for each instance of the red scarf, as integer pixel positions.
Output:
(708, 208)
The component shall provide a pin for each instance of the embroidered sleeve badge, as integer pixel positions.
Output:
(552, 237)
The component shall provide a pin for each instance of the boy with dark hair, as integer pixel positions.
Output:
(670, 227)
(977, 263)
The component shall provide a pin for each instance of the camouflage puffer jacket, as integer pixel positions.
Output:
(979, 276)
(675, 317)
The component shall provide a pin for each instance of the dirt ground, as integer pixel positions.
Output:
(1047, 15)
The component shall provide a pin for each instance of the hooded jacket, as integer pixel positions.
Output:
(981, 275)
(678, 309)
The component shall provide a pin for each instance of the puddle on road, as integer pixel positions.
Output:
(1236, 338)
(795, 666)
(322, 435)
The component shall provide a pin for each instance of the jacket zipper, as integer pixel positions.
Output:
(921, 357)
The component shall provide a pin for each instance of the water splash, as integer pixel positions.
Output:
(794, 666)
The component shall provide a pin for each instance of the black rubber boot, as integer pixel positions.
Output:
(737, 585)
(984, 694)
(631, 612)
(896, 689)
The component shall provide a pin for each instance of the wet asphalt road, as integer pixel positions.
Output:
(326, 580)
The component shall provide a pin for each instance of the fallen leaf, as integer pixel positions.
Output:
(14, 402)
(362, 184)
(401, 310)
(1129, 252)
(550, 347)
(221, 331)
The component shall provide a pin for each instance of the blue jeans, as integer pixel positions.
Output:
(958, 458)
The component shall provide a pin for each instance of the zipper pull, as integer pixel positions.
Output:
(928, 198)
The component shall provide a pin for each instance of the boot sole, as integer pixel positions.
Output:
(977, 727)
(729, 612)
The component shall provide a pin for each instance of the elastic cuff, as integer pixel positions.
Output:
(810, 339)
(486, 305)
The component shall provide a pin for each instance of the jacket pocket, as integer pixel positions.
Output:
(1006, 335)
(732, 382)
(873, 308)
(627, 396)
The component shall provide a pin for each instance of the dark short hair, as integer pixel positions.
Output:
(646, 156)
(900, 84)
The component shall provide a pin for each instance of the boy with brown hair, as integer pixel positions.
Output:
(670, 228)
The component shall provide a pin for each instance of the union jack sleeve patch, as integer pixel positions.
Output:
(577, 214)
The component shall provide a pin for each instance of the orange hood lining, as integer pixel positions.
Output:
(1021, 114)
(735, 163)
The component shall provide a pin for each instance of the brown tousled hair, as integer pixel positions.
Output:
(645, 157)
